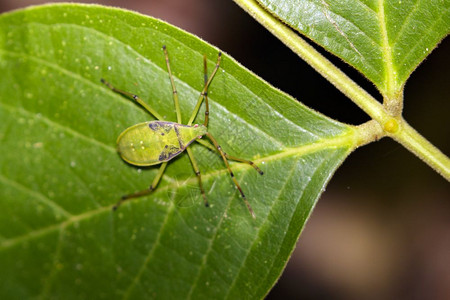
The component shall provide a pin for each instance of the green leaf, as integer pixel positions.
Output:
(383, 39)
(60, 174)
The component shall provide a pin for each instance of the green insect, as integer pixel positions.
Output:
(157, 142)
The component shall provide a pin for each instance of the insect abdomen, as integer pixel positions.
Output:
(154, 142)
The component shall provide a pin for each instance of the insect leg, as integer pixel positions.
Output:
(224, 157)
(245, 161)
(208, 145)
(135, 98)
(174, 90)
(146, 191)
(199, 175)
(205, 90)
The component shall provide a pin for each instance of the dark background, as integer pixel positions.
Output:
(382, 228)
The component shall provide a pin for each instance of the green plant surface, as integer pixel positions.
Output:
(384, 39)
(60, 173)
(391, 81)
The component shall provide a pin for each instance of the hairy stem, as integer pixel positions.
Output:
(322, 65)
(390, 120)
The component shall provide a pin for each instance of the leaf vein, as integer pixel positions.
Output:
(340, 141)
(60, 126)
(406, 21)
(150, 253)
(49, 280)
(209, 249)
(405, 56)
(39, 196)
(266, 220)
(324, 160)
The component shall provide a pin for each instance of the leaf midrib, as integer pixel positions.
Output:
(387, 53)
(343, 141)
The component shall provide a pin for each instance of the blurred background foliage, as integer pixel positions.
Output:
(382, 228)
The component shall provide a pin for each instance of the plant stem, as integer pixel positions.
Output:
(418, 145)
(322, 65)
(388, 118)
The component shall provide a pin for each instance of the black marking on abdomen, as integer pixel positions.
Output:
(160, 126)
(175, 127)
(169, 152)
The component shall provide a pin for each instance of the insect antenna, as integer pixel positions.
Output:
(205, 79)
(205, 91)
(174, 90)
